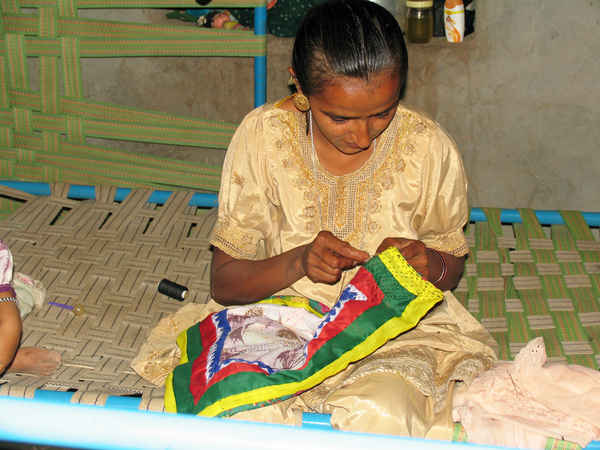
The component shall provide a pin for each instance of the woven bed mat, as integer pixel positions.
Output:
(521, 281)
(109, 257)
(525, 280)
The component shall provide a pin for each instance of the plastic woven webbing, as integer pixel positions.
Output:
(44, 131)
(108, 256)
(524, 280)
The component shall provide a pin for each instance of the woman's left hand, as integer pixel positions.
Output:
(412, 250)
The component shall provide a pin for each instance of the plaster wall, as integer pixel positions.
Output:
(520, 96)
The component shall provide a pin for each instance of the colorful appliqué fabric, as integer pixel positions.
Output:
(249, 356)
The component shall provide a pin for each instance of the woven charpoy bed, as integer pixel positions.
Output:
(108, 256)
(522, 280)
(109, 250)
(52, 129)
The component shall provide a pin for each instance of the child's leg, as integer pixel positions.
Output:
(33, 360)
(10, 320)
(6, 271)
(10, 331)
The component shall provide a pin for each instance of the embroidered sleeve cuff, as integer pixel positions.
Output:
(233, 241)
(454, 244)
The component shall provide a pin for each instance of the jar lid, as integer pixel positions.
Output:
(419, 3)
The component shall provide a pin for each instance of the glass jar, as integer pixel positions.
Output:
(419, 21)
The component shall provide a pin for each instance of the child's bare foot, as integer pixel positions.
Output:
(36, 361)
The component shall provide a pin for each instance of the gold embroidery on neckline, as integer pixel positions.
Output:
(344, 198)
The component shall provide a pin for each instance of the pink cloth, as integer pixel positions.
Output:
(520, 404)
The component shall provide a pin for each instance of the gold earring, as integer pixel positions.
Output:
(300, 100)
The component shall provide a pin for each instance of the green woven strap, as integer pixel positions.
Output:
(207, 43)
(99, 4)
(485, 238)
(493, 219)
(45, 131)
(108, 121)
(577, 225)
(532, 224)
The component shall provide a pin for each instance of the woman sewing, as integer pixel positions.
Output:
(317, 183)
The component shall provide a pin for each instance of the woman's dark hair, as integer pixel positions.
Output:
(351, 38)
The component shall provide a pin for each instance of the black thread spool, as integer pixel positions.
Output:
(173, 290)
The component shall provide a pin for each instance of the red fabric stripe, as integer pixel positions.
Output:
(232, 369)
(366, 284)
(198, 382)
(208, 333)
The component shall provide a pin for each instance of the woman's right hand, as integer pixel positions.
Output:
(242, 281)
(325, 258)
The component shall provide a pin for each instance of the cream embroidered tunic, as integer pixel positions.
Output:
(275, 195)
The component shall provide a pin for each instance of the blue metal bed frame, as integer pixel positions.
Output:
(260, 62)
(89, 427)
(50, 419)
(210, 200)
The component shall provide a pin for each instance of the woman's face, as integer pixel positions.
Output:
(350, 113)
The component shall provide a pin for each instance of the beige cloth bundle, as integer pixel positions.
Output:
(31, 293)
